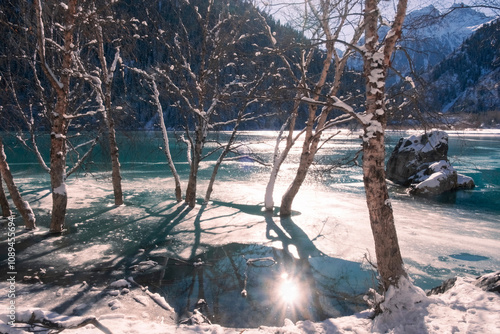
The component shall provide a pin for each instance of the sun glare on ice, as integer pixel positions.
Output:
(288, 290)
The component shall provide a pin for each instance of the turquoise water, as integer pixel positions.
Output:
(463, 214)
(141, 156)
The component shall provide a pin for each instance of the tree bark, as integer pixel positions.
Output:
(195, 164)
(59, 128)
(115, 162)
(223, 154)
(376, 62)
(4, 203)
(279, 157)
(107, 77)
(166, 143)
(309, 149)
(22, 206)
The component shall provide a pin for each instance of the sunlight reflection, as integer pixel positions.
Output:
(288, 290)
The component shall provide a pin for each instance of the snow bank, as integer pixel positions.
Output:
(465, 308)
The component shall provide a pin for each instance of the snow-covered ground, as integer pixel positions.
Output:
(464, 308)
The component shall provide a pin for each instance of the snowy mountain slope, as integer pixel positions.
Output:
(429, 35)
(469, 78)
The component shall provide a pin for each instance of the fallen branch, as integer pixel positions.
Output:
(55, 321)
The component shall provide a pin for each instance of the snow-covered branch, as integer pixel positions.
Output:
(53, 321)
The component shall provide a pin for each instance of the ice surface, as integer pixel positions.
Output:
(330, 214)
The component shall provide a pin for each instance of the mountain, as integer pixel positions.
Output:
(429, 35)
(468, 80)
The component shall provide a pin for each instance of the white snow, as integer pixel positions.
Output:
(464, 308)
(122, 283)
(416, 140)
(159, 300)
(61, 190)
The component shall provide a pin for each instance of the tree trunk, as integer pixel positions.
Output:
(278, 157)
(58, 149)
(107, 76)
(376, 62)
(309, 149)
(166, 143)
(195, 164)
(115, 162)
(22, 206)
(306, 159)
(4, 203)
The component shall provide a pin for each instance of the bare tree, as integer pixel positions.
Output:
(202, 92)
(377, 58)
(107, 81)
(327, 23)
(101, 79)
(22, 206)
(155, 95)
(65, 98)
(59, 122)
(248, 98)
(4, 203)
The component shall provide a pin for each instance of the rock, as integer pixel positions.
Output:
(421, 163)
(412, 153)
(465, 182)
(438, 178)
(447, 285)
(121, 283)
(489, 282)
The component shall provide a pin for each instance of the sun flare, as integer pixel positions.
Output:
(288, 290)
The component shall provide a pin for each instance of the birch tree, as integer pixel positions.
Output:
(151, 83)
(61, 85)
(4, 203)
(101, 78)
(107, 75)
(377, 55)
(196, 72)
(22, 206)
(247, 97)
(318, 91)
(65, 98)
(377, 60)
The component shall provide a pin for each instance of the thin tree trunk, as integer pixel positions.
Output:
(22, 206)
(223, 154)
(309, 149)
(193, 172)
(389, 261)
(58, 151)
(306, 159)
(107, 75)
(279, 158)
(115, 162)
(4, 203)
(166, 143)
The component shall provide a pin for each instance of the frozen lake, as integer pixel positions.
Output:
(205, 252)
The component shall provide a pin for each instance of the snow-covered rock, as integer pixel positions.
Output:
(411, 155)
(421, 163)
(438, 178)
(489, 282)
(121, 283)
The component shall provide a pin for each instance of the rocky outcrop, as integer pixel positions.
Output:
(487, 282)
(421, 164)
